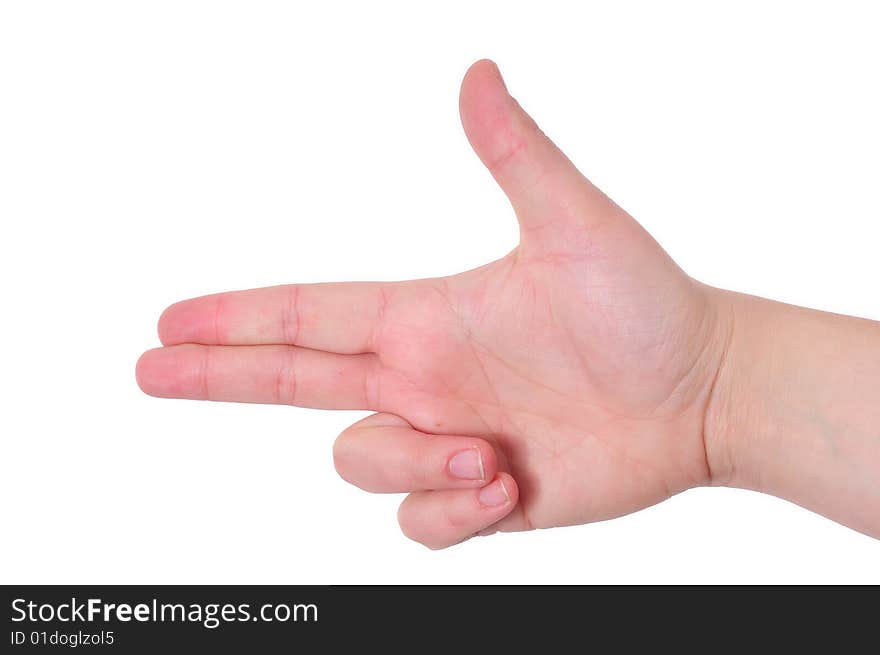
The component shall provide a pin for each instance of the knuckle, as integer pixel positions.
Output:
(356, 465)
(286, 378)
(405, 522)
(413, 529)
(455, 521)
(342, 456)
(510, 153)
(410, 526)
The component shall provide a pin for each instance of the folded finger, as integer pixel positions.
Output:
(439, 519)
(384, 454)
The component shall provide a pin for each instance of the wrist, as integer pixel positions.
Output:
(794, 408)
(735, 410)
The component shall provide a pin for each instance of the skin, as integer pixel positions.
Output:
(581, 377)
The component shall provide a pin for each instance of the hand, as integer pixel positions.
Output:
(567, 382)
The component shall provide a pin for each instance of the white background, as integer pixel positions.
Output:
(152, 151)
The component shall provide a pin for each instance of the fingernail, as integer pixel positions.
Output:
(499, 75)
(494, 495)
(467, 465)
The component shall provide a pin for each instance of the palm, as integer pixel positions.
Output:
(579, 393)
(579, 364)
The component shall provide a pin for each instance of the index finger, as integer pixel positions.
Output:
(340, 317)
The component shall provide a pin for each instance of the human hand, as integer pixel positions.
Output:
(565, 383)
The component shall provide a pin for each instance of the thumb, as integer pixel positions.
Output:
(553, 202)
